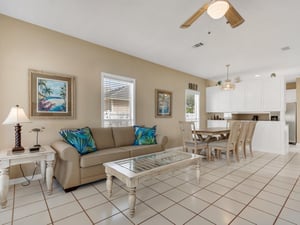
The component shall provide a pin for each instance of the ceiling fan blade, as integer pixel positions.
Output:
(195, 16)
(233, 17)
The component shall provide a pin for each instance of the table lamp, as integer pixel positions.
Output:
(17, 116)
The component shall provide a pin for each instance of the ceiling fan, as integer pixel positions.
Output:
(217, 9)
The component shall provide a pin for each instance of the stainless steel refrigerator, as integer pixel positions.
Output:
(291, 120)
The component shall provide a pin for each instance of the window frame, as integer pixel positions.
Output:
(189, 91)
(133, 95)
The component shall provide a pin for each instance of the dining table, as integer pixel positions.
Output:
(210, 134)
(213, 131)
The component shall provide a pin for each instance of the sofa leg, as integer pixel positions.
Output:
(70, 189)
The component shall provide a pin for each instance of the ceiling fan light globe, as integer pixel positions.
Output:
(217, 9)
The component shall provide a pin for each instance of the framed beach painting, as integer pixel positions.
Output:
(51, 95)
(163, 103)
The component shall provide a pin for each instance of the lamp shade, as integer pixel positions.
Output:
(16, 115)
(227, 85)
(217, 9)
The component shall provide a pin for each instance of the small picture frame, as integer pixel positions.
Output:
(51, 95)
(163, 103)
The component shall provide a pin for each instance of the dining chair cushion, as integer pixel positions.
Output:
(219, 144)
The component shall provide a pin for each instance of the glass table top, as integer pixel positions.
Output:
(147, 162)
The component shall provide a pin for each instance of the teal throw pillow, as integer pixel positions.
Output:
(145, 135)
(81, 139)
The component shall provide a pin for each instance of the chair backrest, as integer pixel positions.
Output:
(186, 130)
(234, 133)
(243, 132)
(250, 132)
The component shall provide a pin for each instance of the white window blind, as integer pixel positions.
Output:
(192, 107)
(117, 101)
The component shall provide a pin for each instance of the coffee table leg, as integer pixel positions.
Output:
(198, 171)
(131, 200)
(109, 184)
(4, 182)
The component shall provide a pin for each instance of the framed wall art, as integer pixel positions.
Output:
(51, 95)
(163, 103)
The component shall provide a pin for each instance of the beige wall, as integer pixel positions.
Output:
(24, 46)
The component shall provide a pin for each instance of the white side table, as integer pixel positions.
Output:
(45, 155)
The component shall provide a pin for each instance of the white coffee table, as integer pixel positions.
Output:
(133, 171)
(45, 155)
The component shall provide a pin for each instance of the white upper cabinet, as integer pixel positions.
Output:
(211, 99)
(217, 100)
(253, 95)
(238, 98)
(256, 95)
(272, 94)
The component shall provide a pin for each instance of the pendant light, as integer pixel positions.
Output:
(227, 85)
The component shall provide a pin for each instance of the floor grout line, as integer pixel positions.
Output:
(272, 165)
(254, 197)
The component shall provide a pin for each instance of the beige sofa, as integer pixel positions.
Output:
(73, 169)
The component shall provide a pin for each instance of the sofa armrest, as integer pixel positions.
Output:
(162, 140)
(67, 170)
(65, 151)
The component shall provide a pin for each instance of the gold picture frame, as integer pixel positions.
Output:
(51, 95)
(163, 103)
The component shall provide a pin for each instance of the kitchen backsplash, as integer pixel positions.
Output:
(275, 116)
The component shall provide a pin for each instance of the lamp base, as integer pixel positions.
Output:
(18, 149)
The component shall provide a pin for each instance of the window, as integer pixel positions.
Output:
(117, 101)
(192, 109)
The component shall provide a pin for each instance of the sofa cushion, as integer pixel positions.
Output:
(81, 139)
(105, 155)
(136, 150)
(123, 136)
(103, 137)
(145, 135)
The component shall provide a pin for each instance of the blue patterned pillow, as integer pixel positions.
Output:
(81, 139)
(145, 135)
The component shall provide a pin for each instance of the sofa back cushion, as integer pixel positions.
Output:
(123, 136)
(103, 137)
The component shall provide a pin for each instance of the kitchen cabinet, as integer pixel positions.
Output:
(237, 98)
(252, 96)
(211, 99)
(272, 94)
(256, 95)
(217, 100)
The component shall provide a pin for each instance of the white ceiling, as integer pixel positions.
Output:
(149, 29)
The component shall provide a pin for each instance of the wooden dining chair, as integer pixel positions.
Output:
(242, 138)
(189, 138)
(249, 137)
(227, 145)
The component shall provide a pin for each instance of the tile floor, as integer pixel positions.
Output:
(262, 190)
